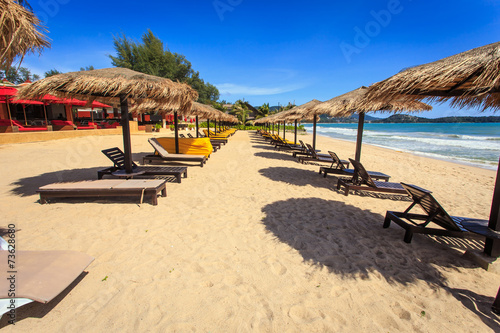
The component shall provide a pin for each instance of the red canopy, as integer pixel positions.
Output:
(96, 104)
(69, 101)
(25, 101)
(7, 91)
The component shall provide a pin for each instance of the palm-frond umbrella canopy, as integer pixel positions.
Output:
(468, 79)
(21, 33)
(303, 111)
(112, 85)
(356, 101)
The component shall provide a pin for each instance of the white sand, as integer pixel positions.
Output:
(253, 241)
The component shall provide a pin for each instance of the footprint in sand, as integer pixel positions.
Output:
(277, 268)
(300, 313)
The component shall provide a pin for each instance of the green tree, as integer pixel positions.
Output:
(18, 75)
(240, 109)
(263, 111)
(87, 68)
(52, 72)
(154, 58)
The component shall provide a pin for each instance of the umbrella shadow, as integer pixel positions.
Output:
(351, 242)
(266, 147)
(275, 156)
(29, 185)
(296, 176)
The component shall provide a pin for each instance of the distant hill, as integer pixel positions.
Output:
(406, 118)
(352, 119)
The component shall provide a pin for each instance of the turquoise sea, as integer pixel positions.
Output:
(469, 143)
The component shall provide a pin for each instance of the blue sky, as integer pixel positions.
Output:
(274, 51)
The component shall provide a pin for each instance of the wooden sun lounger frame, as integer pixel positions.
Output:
(164, 156)
(363, 181)
(314, 156)
(452, 226)
(338, 168)
(118, 157)
(136, 187)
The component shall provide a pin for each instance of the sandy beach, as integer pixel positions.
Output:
(252, 242)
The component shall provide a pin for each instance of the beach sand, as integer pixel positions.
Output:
(252, 242)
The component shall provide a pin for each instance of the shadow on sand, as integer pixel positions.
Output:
(304, 177)
(351, 242)
(39, 310)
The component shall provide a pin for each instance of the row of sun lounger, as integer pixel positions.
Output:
(142, 185)
(435, 221)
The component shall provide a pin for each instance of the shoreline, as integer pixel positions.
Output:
(493, 166)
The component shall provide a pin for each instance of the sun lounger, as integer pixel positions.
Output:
(164, 156)
(453, 226)
(305, 150)
(118, 168)
(338, 168)
(5, 126)
(106, 188)
(212, 140)
(38, 276)
(313, 155)
(364, 182)
(215, 143)
(211, 134)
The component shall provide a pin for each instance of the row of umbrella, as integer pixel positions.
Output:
(468, 79)
(353, 102)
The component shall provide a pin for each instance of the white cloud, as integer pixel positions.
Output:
(235, 89)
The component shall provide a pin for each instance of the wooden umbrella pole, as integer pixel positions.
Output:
(359, 139)
(197, 134)
(45, 114)
(176, 126)
(126, 134)
(314, 132)
(295, 137)
(8, 110)
(208, 127)
(491, 246)
(284, 129)
(24, 111)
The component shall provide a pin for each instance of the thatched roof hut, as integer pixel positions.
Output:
(21, 33)
(470, 78)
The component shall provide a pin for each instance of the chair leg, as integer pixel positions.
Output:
(408, 236)
(387, 221)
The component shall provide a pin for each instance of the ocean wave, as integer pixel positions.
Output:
(451, 143)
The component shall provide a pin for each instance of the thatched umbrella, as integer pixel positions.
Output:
(303, 111)
(356, 101)
(114, 85)
(201, 110)
(468, 79)
(21, 33)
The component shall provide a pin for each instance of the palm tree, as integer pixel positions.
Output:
(263, 110)
(241, 111)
